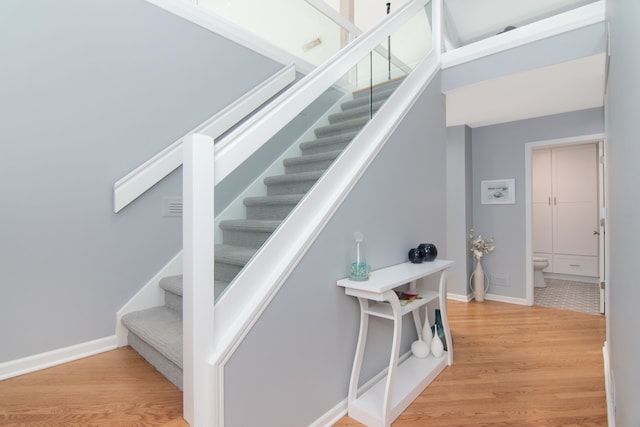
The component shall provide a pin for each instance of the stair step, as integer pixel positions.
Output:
(378, 88)
(310, 162)
(271, 207)
(347, 126)
(293, 183)
(229, 260)
(158, 338)
(172, 285)
(329, 143)
(356, 112)
(250, 233)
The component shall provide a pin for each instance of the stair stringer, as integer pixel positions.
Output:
(240, 307)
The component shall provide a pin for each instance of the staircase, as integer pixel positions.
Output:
(156, 333)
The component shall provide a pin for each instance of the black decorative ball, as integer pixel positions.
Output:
(415, 256)
(428, 251)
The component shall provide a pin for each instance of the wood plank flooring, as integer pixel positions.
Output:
(516, 366)
(513, 366)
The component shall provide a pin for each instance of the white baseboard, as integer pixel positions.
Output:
(509, 300)
(459, 297)
(149, 296)
(609, 387)
(13, 368)
(332, 416)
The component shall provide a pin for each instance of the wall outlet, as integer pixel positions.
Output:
(500, 280)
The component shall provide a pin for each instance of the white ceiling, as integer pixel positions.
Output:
(560, 88)
(470, 20)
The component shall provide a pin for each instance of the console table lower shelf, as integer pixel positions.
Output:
(412, 377)
(406, 377)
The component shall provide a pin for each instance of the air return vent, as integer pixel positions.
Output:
(172, 206)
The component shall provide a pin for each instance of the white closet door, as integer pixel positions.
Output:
(575, 204)
(542, 210)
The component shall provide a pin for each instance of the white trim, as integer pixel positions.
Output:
(250, 135)
(216, 24)
(322, 7)
(149, 296)
(528, 148)
(609, 387)
(145, 176)
(242, 304)
(13, 368)
(198, 283)
(508, 300)
(558, 24)
(459, 297)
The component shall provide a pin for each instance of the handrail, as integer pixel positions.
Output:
(145, 176)
(249, 136)
(353, 30)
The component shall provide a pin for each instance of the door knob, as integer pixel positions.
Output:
(596, 233)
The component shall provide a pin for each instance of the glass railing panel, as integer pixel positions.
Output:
(292, 25)
(310, 143)
(469, 21)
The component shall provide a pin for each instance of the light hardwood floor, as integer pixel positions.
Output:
(513, 366)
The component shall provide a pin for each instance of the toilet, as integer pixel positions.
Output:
(539, 264)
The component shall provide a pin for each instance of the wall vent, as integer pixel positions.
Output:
(172, 206)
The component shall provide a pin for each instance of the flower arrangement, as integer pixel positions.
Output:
(480, 246)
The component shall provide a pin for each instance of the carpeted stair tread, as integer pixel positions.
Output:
(327, 143)
(259, 225)
(236, 255)
(345, 126)
(310, 158)
(355, 112)
(359, 101)
(285, 199)
(172, 284)
(293, 177)
(161, 328)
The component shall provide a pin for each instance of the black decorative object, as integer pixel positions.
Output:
(415, 256)
(428, 251)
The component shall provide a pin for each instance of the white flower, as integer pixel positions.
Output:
(480, 246)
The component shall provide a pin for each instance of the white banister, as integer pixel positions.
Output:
(145, 176)
(250, 135)
(198, 278)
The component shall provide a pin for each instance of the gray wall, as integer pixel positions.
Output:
(294, 365)
(459, 207)
(498, 153)
(88, 91)
(623, 151)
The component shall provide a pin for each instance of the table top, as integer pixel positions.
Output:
(391, 277)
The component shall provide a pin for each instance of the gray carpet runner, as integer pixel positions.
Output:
(156, 333)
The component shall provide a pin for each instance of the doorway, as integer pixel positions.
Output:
(576, 270)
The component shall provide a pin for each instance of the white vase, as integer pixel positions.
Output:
(478, 281)
(437, 348)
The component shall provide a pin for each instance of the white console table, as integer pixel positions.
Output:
(385, 400)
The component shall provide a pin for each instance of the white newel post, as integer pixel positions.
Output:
(198, 297)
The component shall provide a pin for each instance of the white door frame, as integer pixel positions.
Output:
(528, 148)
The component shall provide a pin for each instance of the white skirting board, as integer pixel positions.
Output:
(13, 368)
(609, 387)
(509, 300)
